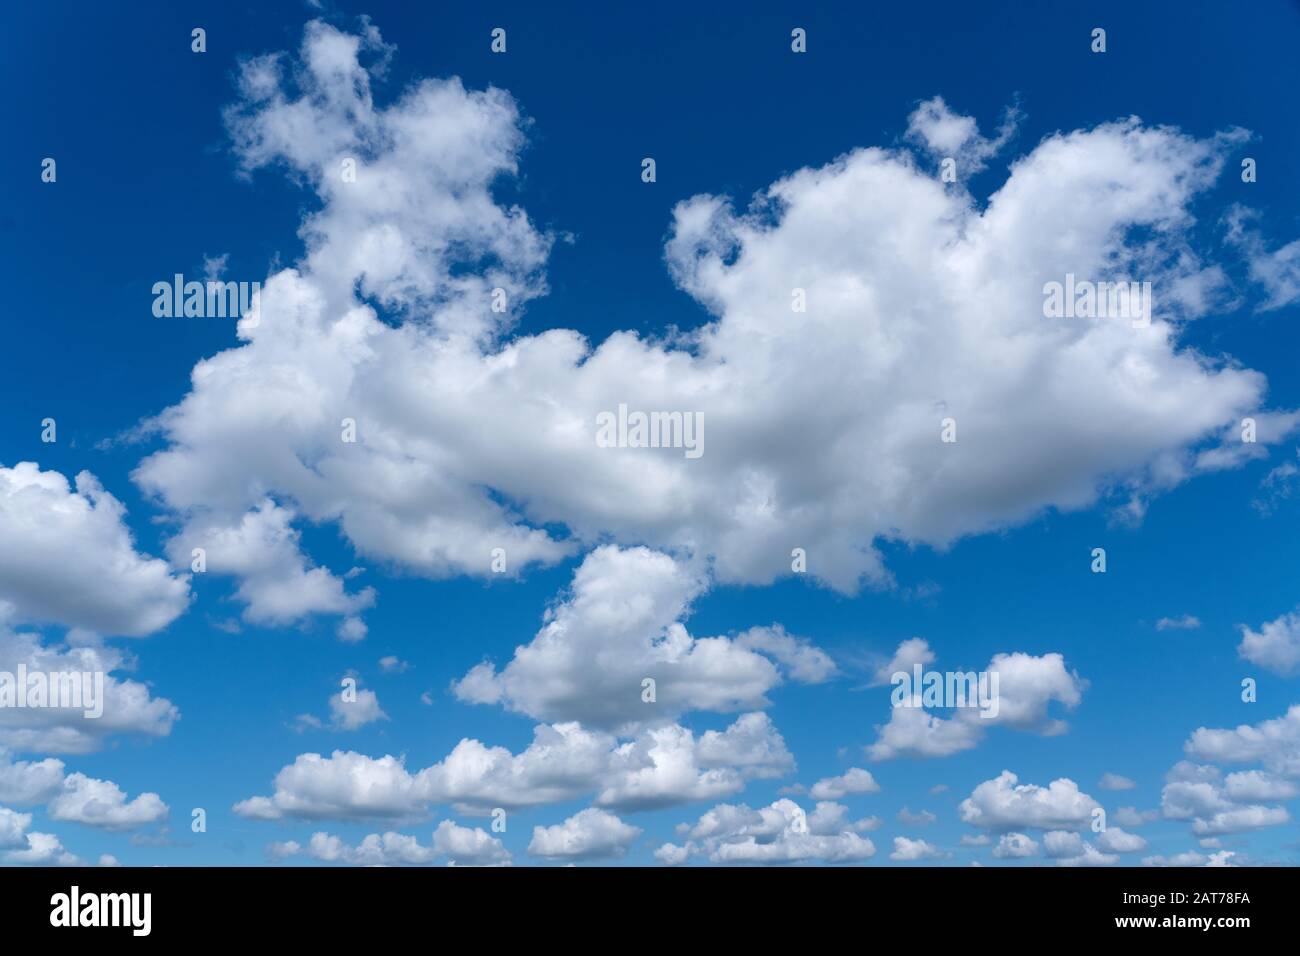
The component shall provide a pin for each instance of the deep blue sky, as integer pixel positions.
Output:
(147, 187)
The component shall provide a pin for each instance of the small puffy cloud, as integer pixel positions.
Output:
(587, 835)
(1116, 840)
(1185, 622)
(469, 846)
(852, 781)
(1004, 803)
(907, 851)
(103, 804)
(1113, 781)
(921, 819)
(913, 651)
(1025, 688)
(1275, 646)
(354, 708)
(946, 134)
(393, 665)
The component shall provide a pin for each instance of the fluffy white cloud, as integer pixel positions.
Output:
(24, 783)
(619, 626)
(355, 709)
(662, 766)
(907, 850)
(666, 765)
(461, 846)
(913, 651)
(1069, 849)
(780, 833)
(946, 134)
(587, 835)
(43, 849)
(469, 846)
(1026, 687)
(823, 426)
(1215, 806)
(67, 557)
(102, 803)
(1274, 743)
(853, 780)
(345, 785)
(1005, 804)
(1116, 840)
(1275, 646)
(277, 582)
(13, 827)
(1015, 846)
(128, 706)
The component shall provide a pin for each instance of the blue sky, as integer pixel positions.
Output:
(150, 183)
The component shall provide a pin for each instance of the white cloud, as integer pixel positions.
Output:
(13, 827)
(587, 835)
(103, 804)
(1196, 792)
(1113, 781)
(1070, 849)
(1186, 622)
(43, 849)
(24, 783)
(1275, 646)
(913, 651)
(780, 833)
(1015, 846)
(129, 707)
(620, 625)
(853, 780)
(823, 428)
(359, 708)
(662, 766)
(1276, 270)
(1005, 804)
(1116, 840)
(470, 846)
(461, 845)
(67, 557)
(1026, 687)
(946, 134)
(1275, 743)
(907, 851)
